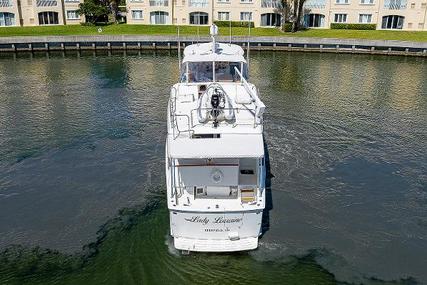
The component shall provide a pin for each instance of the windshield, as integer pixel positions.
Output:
(203, 71)
(225, 71)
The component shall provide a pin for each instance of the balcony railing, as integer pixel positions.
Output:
(271, 4)
(46, 3)
(198, 3)
(159, 3)
(5, 3)
(315, 4)
(395, 4)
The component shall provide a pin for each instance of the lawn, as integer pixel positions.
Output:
(124, 29)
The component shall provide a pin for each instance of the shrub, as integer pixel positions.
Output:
(343, 26)
(241, 24)
(287, 27)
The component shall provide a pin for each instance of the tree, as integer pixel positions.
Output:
(297, 14)
(93, 10)
(292, 11)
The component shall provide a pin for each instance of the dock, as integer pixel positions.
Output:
(171, 42)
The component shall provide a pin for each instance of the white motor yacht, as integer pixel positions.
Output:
(215, 167)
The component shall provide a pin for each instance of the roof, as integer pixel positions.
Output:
(228, 146)
(223, 52)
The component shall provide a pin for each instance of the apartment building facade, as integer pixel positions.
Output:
(204, 12)
(385, 14)
(39, 12)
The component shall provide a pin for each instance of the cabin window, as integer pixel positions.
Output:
(225, 71)
(200, 72)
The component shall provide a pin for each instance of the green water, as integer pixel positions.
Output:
(134, 252)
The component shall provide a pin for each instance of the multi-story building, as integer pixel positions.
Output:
(385, 14)
(39, 12)
(204, 12)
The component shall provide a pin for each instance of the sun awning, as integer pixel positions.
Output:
(228, 146)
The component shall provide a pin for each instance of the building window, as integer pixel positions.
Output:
(423, 5)
(342, 1)
(395, 4)
(409, 25)
(420, 25)
(72, 15)
(224, 16)
(159, 18)
(365, 18)
(245, 1)
(314, 20)
(392, 22)
(412, 5)
(199, 18)
(366, 2)
(271, 20)
(340, 18)
(7, 19)
(223, 1)
(137, 15)
(198, 3)
(48, 18)
(245, 16)
(314, 4)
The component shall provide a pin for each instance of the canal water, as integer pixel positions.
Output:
(82, 171)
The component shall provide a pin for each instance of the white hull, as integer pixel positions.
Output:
(215, 232)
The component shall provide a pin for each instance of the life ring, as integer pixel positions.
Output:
(217, 175)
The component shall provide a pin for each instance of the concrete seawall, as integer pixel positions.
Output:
(135, 42)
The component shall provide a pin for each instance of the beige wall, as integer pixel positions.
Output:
(72, 5)
(414, 12)
(179, 12)
(10, 7)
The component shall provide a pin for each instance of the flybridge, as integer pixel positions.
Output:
(215, 168)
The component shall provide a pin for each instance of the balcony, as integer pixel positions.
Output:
(277, 4)
(159, 3)
(315, 4)
(395, 4)
(198, 3)
(5, 3)
(46, 3)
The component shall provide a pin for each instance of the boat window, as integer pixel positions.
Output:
(200, 72)
(225, 71)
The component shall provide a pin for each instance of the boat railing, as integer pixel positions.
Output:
(176, 131)
(260, 107)
(191, 121)
(235, 122)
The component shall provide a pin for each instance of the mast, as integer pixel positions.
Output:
(179, 51)
(214, 32)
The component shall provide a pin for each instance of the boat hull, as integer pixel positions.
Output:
(215, 231)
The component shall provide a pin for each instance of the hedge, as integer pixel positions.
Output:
(343, 26)
(287, 27)
(242, 24)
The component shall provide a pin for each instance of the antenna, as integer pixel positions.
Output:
(198, 28)
(230, 33)
(198, 33)
(249, 42)
(179, 51)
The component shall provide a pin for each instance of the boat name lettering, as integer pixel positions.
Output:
(216, 220)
